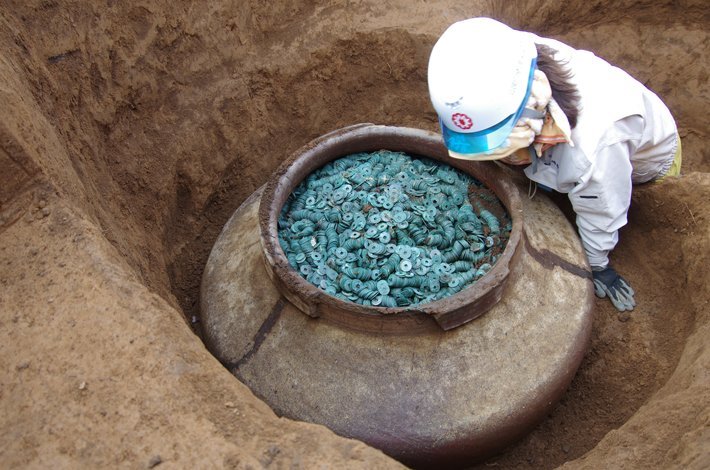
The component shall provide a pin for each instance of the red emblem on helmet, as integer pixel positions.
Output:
(462, 121)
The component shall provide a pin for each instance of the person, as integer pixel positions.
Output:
(582, 126)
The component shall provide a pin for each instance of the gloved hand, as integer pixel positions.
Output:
(520, 137)
(518, 158)
(607, 282)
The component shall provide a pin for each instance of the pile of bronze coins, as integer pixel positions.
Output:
(386, 229)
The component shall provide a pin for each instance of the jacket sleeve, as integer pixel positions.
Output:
(602, 201)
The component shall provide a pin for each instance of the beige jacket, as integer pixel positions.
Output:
(624, 135)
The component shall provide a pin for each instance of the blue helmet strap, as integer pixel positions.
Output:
(533, 114)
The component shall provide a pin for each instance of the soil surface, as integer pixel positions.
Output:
(130, 132)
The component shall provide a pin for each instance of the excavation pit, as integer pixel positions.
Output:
(427, 385)
(130, 135)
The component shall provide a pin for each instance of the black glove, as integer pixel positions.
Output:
(607, 282)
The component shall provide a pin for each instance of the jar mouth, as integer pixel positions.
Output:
(446, 313)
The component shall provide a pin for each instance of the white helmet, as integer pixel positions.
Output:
(480, 76)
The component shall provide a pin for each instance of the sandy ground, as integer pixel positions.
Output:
(129, 133)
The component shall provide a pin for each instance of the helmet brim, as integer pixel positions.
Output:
(490, 138)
